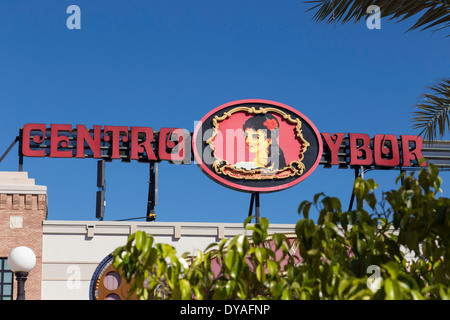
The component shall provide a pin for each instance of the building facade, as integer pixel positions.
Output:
(70, 254)
(23, 208)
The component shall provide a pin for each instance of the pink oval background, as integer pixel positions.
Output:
(237, 120)
(244, 188)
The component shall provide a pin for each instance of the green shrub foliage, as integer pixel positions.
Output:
(393, 248)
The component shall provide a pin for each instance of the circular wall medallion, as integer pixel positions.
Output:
(107, 283)
(256, 145)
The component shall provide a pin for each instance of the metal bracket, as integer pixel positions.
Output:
(90, 231)
(17, 139)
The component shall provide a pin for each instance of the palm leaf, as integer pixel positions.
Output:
(431, 13)
(432, 116)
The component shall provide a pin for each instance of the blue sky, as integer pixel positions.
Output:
(168, 63)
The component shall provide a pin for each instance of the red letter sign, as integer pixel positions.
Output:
(93, 142)
(413, 154)
(334, 146)
(56, 139)
(115, 144)
(360, 155)
(26, 150)
(166, 142)
(380, 149)
(145, 145)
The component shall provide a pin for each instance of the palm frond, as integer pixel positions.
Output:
(432, 116)
(431, 13)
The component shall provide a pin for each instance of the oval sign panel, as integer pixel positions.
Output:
(256, 145)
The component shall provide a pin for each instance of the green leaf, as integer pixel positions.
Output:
(236, 269)
(313, 252)
(264, 224)
(229, 287)
(199, 258)
(286, 295)
(413, 239)
(309, 227)
(278, 240)
(432, 115)
(233, 263)
(317, 197)
(150, 258)
(272, 266)
(230, 259)
(260, 273)
(361, 247)
(392, 289)
(304, 295)
(248, 220)
(185, 289)
(304, 208)
(426, 13)
(257, 234)
(260, 253)
(277, 287)
(242, 244)
(140, 240)
(343, 285)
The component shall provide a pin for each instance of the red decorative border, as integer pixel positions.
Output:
(239, 187)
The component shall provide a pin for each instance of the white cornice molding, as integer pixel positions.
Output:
(19, 183)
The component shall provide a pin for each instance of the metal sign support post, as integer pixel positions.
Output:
(254, 200)
(101, 185)
(359, 172)
(152, 191)
(20, 138)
